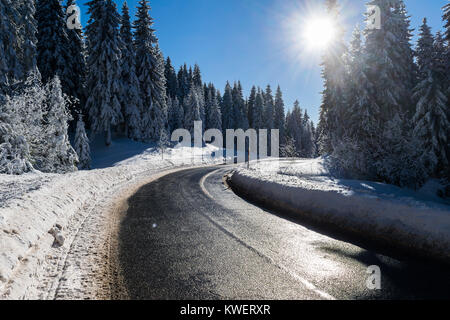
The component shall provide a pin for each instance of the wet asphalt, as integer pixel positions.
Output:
(187, 236)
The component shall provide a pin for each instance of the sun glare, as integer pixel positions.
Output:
(319, 32)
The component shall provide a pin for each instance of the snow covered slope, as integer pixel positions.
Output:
(32, 204)
(414, 222)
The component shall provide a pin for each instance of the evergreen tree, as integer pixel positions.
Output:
(446, 19)
(53, 48)
(15, 155)
(334, 75)
(171, 79)
(10, 70)
(28, 34)
(397, 163)
(191, 110)
(175, 114)
(279, 115)
(197, 76)
(227, 109)
(26, 109)
(183, 83)
(288, 149)
(163, 142)
(430, 121)
(150, 70)
(294, 126)
(56, 155)
(82, 147)
(214, 113)
(258, 111)
(251, 106)
(380, 88)
(239, 113)
(104, 83)
(269, 109)
(77, 67)
(131, 100)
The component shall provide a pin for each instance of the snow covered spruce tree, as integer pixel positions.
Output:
(279, 114)
(399, 161)
(251, 106)
(104, 85)
(28, 35)
(171, 79)
(288, 149)
(308, 139)
(227, 109)
(269, 109)
(294, 127)
(430, 121)
(53, 48)
(9, 61)
(214, 115)
(258, 111)
(175, 114)
(15, 157)
(150, 72)
(446, 18)
(82, 147)
(385, 78)
(407, 74)
(131, 100)
(239, 111)
(26, 109)
(56, 154)
(184, 83)
(198, 83)
(355, 151)
(163, 142)
(191, 110)
(77, 67)
(334, 75)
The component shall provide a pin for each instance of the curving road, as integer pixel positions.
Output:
(186, 236)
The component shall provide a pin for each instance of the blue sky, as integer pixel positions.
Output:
(256, 41)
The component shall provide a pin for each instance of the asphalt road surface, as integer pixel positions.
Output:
(186, 236)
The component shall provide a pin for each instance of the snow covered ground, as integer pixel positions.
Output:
(417, 222)
(32, 265)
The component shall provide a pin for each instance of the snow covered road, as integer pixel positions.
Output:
(186, 236)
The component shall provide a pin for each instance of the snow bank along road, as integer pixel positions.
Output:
(32, 266)
(186, 236)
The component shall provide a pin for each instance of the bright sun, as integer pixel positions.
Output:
(319, 32)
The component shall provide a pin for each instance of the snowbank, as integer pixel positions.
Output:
(413, 223)
(32, 204)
